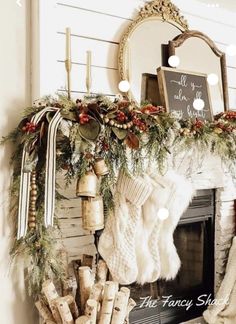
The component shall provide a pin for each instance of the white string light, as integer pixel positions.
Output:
(174, 61)
(163, 213)
(212, 79)
(198, 104)
(124, 86)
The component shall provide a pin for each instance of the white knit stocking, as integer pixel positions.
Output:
(117, 242)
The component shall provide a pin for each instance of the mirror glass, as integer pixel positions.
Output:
(143, 52)
(197, 56)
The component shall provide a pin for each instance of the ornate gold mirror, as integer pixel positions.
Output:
(141, 49)
(198, 53)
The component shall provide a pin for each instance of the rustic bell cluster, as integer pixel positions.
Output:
(92, 203)
(86, 297)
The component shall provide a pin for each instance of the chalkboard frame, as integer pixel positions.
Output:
(163, 87)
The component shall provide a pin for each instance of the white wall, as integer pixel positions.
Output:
(98, 26)
(14, 95)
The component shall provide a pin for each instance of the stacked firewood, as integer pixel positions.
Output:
(98, 300)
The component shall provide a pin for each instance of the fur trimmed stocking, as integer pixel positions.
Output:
(173, 192)
(117, 242)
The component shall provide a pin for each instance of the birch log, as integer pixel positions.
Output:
(82, 320)
(85, 284)
(131, 305)
(72, 304)
(44, 311)
(51, 295)
(64, 311)
(91, 310)
(119, 309)
(102, 271)
(126, 291)
(96, 293)
(110, 290)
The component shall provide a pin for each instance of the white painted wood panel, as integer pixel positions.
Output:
(215, 30)
(90, 24)
(104, 54)
(71, 227)
(200, 9)
(232, 98)
(231, 72)
(121, 8)
(104, 80)
(70, 212)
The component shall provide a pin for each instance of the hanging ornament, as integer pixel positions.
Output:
(87, 185)
(100, 167)
(33, 198)
(92, 214)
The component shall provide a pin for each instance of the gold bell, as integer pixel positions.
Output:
(87, 185)
(92, 214)
(100, 167)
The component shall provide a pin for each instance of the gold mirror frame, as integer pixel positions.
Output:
(163, 10)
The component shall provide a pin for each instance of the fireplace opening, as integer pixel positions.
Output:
(175, 301)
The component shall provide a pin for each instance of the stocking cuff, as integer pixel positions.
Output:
(135, 189)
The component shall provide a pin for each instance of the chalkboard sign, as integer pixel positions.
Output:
(179, 89)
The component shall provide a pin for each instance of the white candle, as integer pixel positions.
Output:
(88, 71)
(68, 44)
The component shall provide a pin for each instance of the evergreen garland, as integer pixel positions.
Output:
(119, 131)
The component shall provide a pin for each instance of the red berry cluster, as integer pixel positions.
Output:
(105, 146)
(121, 117)
(29, 127)
(123, 104)
(83, 118)
(225, 127)
(150, 109)
(139, 123)
(231, 115)
(198, 124)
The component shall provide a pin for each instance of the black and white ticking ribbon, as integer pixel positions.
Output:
(24, 192)
(50, 174)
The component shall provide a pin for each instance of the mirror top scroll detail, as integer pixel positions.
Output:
(140, 49)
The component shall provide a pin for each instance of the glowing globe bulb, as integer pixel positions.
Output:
(174, 61)
(231, 50)
(212, 79)
(163, 213)
(124, 86)
(198, 104)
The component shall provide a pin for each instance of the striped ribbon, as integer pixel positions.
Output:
(50, 175)
(24, 192)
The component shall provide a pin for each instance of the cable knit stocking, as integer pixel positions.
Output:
(117, 242)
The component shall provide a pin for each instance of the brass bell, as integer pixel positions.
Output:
(100, 167)
(87, 185)
(92, 214)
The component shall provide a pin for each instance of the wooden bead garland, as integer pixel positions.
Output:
(33, 198)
